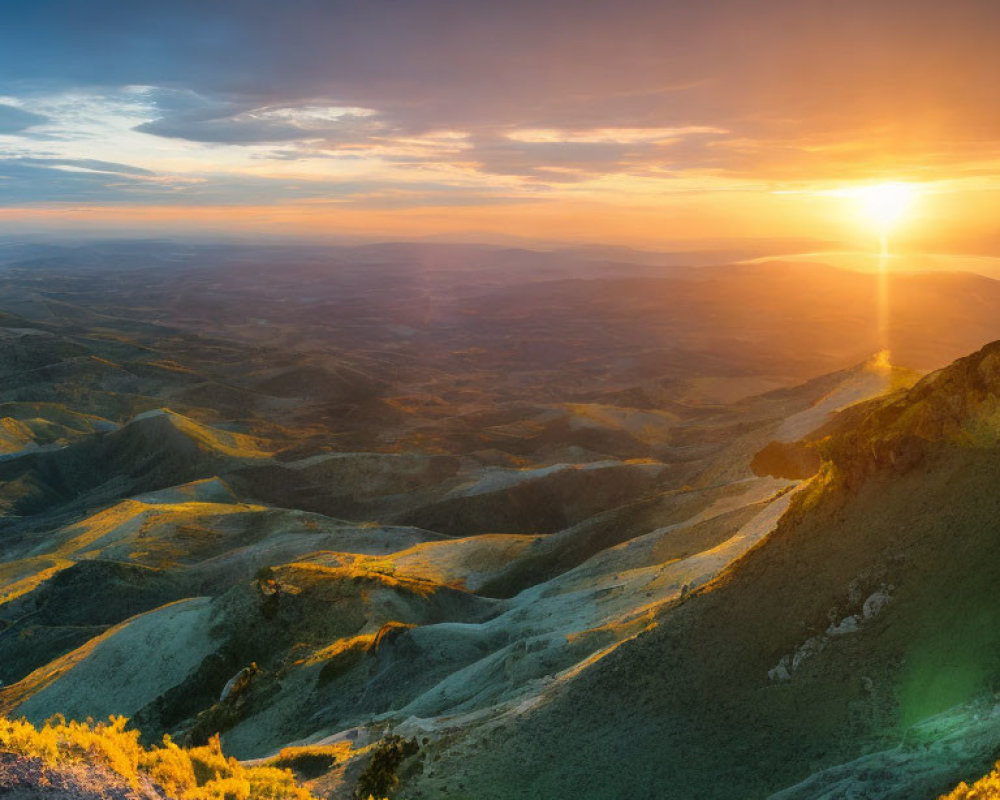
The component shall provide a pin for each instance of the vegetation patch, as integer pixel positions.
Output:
(311, 762)
(199, 773)
(381, 776)
(986, 788)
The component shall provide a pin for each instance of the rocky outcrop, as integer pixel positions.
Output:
(959, 404)
(24, 778)
(843, 626)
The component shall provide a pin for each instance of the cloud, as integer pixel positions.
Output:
(547, 92)
(562, 156)
(785, 65)
(188, 115)
(80, 165)
(551, 161)
(16, 120)
(30, 180)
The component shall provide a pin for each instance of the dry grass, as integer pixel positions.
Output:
(326, 581)
(986, 788)
(199, 773)
(18, 578)
(237, 445)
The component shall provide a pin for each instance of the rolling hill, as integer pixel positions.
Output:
(605, 522)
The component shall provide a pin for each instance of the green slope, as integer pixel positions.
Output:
(908, 507)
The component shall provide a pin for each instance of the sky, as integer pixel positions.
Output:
(649, 124)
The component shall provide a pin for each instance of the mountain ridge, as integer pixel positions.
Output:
(850, 535)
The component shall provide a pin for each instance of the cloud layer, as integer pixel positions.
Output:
(17, 120)
(490, 99)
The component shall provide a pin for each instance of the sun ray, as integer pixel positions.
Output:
(885, 205)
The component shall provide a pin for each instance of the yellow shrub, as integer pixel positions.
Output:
(986, 788)
(200, 773)
(57, 741)
(169, 767)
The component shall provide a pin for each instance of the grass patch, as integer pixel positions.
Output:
(198, 773)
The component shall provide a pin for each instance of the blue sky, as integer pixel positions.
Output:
(700, 118)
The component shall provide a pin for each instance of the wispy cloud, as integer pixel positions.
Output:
(15, 120)
(451, 101)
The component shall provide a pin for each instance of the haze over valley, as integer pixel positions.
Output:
(440, 491)
(499, 401)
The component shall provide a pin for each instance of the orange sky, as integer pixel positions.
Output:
(940, 218)
(650, 124)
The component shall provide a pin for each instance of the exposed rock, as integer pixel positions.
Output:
(852, 623)
(237, 685)
(874, 604)
(807, 650)
(781, 672)
(846, 625)
(24, 778)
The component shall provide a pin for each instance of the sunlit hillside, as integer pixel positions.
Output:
(105, 757)
(440, 400)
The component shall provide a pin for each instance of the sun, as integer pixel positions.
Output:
(886, 204)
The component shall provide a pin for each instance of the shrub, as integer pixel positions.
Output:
(310, 762)
(199, 773)
(986, 788)
(380, 777)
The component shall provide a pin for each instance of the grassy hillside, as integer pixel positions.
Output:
(503, 529)
(873, 606)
